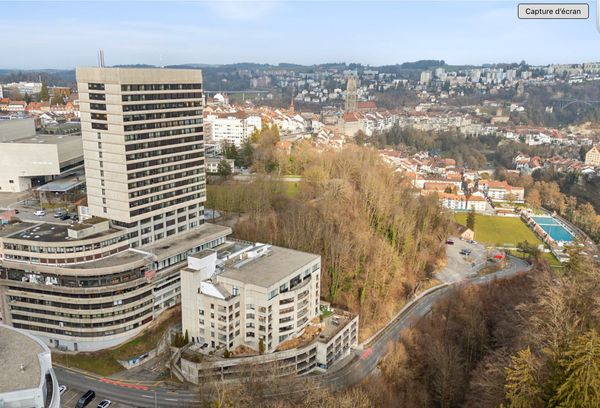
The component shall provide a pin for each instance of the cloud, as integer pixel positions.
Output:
(243, 10)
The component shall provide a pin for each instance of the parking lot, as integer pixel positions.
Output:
(27, 214)
(71, 396)
(462, 266)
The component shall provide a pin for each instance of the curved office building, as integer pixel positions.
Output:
(97, 283)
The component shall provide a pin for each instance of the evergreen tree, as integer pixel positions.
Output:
(581, 368)
(44, 96)
(471, 220)
(246, 154)
(230, 151)
(224, 169)
(522, 387)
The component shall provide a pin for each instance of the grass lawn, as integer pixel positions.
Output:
(499, 230)
(290, 188)
(105, 362)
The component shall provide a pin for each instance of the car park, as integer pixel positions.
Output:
(85, 399)
(39, 213)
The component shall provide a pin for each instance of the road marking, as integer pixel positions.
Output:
(366, 353)
(148, 396)
(171, 399)
(124, 384)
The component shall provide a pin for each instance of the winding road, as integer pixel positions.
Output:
(350, 371)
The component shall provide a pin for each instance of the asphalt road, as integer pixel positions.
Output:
(357, 367)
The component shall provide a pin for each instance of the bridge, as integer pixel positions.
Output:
(564, 103)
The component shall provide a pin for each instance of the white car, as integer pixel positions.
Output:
(104, 404)
(62, 389)
(39, 213)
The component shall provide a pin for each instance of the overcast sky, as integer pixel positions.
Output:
(59, 34)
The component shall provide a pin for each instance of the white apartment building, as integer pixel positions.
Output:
(232, 129)
(502, 191)
(248, 295)
(143, 148)
(457, 202)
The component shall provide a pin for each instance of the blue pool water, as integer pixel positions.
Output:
(554, 229)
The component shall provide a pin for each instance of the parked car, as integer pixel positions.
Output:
(62, 389)
(85, 399)
(465, 251)
(59, 213)
(104, 404)
(450, 242)
(75, 217)
(65, 216)
(39, 213)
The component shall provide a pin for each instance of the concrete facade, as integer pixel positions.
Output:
(143, 145)
(97, 283)
(337, 338)
(257, 293)
(24, 156)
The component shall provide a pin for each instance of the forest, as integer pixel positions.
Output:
(378, 241)
(525, 342)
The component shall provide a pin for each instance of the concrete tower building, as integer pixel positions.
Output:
(351, 94)
(94, 284)
(143, 149)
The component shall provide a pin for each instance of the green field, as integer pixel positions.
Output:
(499, 230)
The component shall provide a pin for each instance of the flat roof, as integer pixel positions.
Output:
(17, 348)
(184, 241)
(267, 270)
(47, 139)
(333, 324)
(120, 258)
(45, 232)
(64, 184)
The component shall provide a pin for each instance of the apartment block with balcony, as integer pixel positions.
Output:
(249, 295)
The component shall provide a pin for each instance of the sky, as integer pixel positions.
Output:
(63, 34)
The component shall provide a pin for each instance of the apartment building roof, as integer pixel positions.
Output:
(267, 270)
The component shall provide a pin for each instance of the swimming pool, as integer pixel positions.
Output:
(553, 228)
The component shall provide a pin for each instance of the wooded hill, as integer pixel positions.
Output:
(378, 241)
